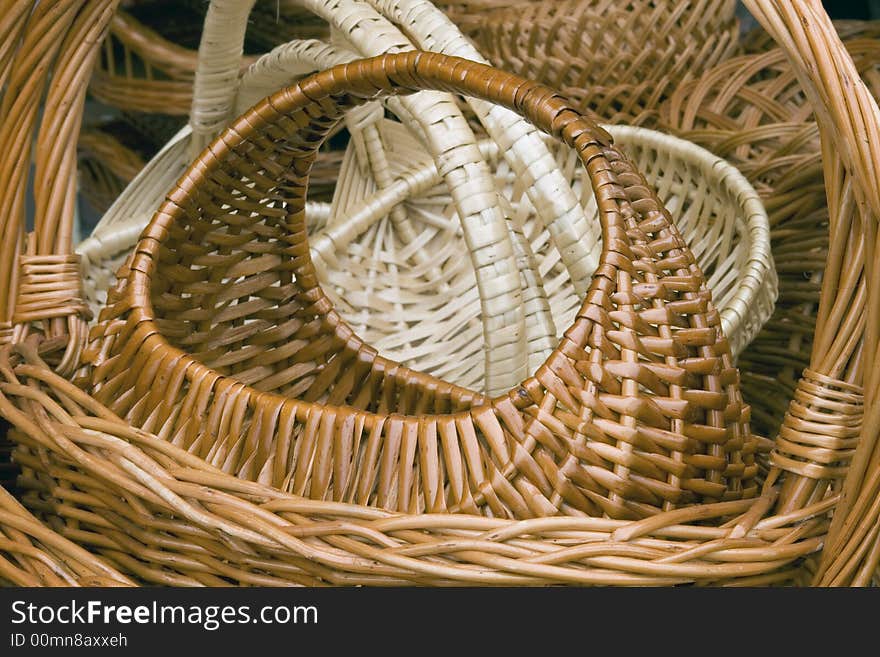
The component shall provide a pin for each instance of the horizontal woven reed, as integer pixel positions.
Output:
(164, 516)
(139, 70)
(470, 15)
(758, 40)
(254, 331)
(618, 60)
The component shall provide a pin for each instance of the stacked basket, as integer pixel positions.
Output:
(624, 454)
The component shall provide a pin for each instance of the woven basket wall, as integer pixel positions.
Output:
(752, 111)
(616, 59)
(289, 539)
(164, 514)
(433, 324)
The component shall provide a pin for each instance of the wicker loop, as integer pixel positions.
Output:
(821, 429)
(49, 286)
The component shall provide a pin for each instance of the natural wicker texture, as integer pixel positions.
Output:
(517, 332)
(223, 273)
(616, 59)
(32, 554)
(827, 428)
(387, 281)
(382, 292)
(470, 15)
(139, 70)
(167, 517)
(41, 285)
(165, 514)
(150, 74)
(46, 51)
(752, 111)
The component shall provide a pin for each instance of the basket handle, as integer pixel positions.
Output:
(40, 283)
(837, 397)
(644, 368)
(448, 138)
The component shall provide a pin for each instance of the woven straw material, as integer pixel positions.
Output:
(470, 15)
(41, 286)
(166, 517)
(170, 517)
(636, 411)
(391, 278)
(385, 295)
(752, 111)
(433, 323)
(46, 52)
(616, 59)
(32, 554)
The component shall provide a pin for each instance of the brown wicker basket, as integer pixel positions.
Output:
(46, 51)
(159, 511)
(618, 60)
(253, 330)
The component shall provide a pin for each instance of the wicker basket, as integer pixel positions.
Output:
(165, 514)
(183, 521)
(42, 56)
(752, 111)
(618, 60)
(383, 295)
(288, 349)
(405, 303)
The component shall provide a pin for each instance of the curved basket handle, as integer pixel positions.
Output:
(40, 283)
(448, 138)
(837, 397)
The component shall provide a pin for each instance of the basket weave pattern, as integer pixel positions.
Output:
(617, 59)
(635, 412)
